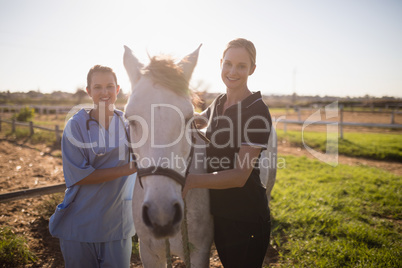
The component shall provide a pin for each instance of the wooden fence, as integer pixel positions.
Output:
(61, 187)
(7, 197)
(31, 126)
(342, 109)
(340, 123)
(43, 109)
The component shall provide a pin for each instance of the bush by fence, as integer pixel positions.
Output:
(25, 114)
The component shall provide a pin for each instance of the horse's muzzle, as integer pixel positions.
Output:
(162, 227)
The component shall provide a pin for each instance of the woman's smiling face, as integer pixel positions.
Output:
(236, 66)
(103, 88)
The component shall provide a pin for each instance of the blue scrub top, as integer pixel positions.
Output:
(96, 212)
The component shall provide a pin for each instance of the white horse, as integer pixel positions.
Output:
(160, 114)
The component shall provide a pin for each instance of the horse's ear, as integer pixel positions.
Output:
(188, 63)
(132, 65)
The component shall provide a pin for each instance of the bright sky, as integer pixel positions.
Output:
(311, 47)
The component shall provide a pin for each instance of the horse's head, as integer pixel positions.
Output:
(159, 109)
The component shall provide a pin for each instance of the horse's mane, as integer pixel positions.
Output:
(165, 72)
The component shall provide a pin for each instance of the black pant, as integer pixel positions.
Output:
(241, 244)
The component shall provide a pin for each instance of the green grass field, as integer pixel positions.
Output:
(367, 145)
(336, 217)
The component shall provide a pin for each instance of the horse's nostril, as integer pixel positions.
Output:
(165, 226)
(177, 213)
(145, 216)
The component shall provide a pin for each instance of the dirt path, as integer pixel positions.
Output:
(25, 166)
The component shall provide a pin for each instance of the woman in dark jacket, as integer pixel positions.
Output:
(239, 125)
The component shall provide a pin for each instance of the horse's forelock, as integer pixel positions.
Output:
(164, 71)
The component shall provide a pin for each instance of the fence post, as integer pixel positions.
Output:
(298, 114)
(341, 118)
(13, 126)
(393, 117)
(31, 128)
(57, 133)
(286, 116)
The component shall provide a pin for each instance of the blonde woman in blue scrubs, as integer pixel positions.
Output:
(94, 222)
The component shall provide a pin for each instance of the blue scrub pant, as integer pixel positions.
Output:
(90, 255)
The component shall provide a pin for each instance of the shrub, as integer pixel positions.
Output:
(136, 247)
(25, 114)
(13, 249)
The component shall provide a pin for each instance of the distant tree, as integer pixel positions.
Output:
(34, 94)
(7, 95)
(80, 94)
(121, 95)
(294, 98)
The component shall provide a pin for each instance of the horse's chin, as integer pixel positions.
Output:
(162, 232)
